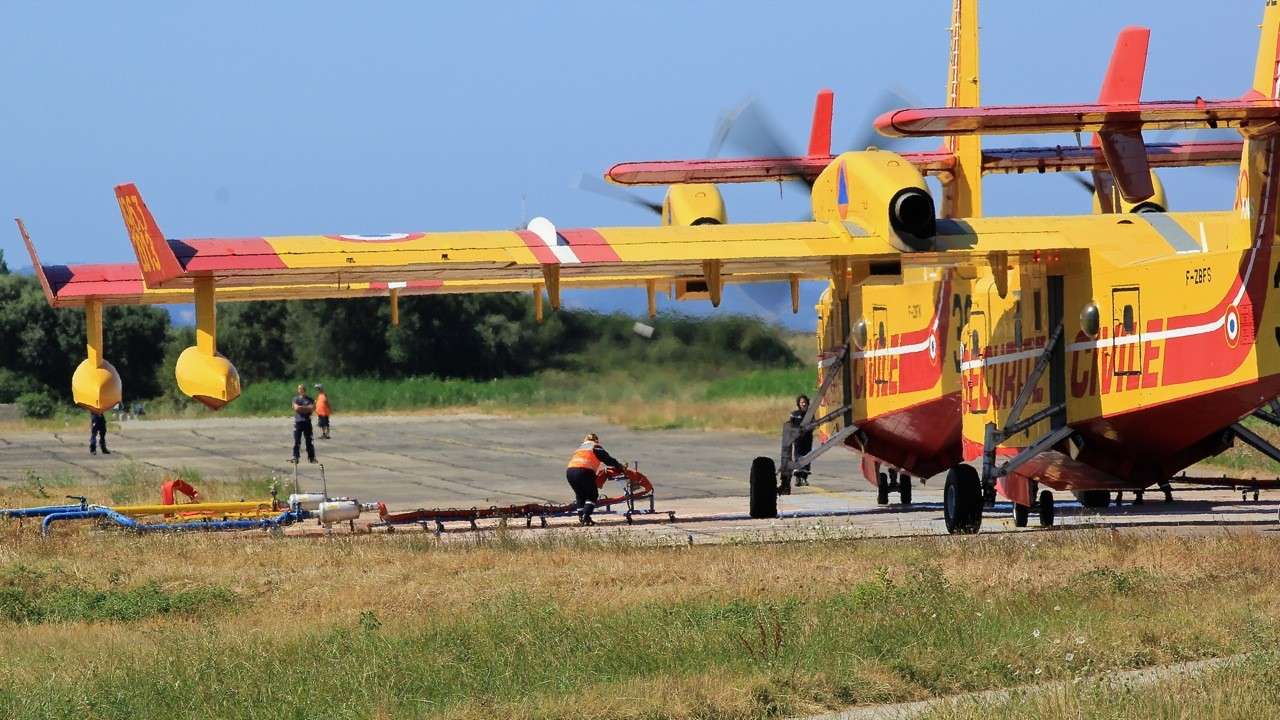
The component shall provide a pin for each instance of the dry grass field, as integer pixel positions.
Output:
(102, 624)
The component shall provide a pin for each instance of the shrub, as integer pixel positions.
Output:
(13, 384)
(38, 404)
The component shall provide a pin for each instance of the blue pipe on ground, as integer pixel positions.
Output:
(39, 511)
(287, 517)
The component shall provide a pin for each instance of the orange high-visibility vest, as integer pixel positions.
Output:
(322, 405)
(585, 457)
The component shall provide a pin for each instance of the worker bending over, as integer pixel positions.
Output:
(581, 474)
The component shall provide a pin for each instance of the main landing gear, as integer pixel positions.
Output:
(1043, 506)
(893, 480)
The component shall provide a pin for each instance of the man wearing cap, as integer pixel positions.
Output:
(303, 406)
(322, 411)
(581, 474)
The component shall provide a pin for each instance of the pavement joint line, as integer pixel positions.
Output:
(470, 485)
(1140, 677)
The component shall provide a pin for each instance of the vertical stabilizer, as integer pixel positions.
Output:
(962, 197)
(1256, 187)
(1265, 72)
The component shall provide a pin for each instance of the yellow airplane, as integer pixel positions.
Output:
(872, 209)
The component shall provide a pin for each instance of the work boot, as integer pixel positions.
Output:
(311, 460)
(105, 451)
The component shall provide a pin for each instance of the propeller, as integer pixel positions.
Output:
(595, 184)
(749, 127)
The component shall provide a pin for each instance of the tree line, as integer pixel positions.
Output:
(447, 336)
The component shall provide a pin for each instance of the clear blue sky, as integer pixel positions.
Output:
(241, 118)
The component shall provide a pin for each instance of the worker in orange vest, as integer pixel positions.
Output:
(322, 411)
(581, 474)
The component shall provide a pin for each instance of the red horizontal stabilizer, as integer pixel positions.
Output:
(1062, 158)
(1038, 119)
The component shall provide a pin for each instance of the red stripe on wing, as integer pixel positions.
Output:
(590, 246)
(213, 254)
(541, 252)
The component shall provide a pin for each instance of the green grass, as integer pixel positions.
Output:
(29, 596)
(516, 637)
(552, 388)
(1244, 690)
(764, 383)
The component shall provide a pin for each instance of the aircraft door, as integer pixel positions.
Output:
(880, 341)
(978, 337)
(1126, 335)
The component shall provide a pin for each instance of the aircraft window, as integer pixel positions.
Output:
(1089, 320)
(1035, 308)
(1128, 320)
(880, 338)
(974, 347)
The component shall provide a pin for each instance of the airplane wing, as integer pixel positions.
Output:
(123, 284)
(624, 257)
(621, 255)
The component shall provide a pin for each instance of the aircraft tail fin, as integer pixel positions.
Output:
(820, 134)
(1267, 71)
(35, 263)
(962, 197)
(156, 258)
(1257, 185)
(1128, 67)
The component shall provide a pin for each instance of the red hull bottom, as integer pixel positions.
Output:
(922, 440)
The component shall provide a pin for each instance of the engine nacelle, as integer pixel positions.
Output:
(1158, 202)
(693, 204)
(883, 193)
(210, 379)
(95, 386)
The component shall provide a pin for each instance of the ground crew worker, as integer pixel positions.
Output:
(97, 433)
(804, 441)
(322, 411)
(581, 474)
(302, 409)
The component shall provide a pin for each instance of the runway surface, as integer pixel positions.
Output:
(471, 460)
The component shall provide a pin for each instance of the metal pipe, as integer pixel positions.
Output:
(39, 511)
(287, 517)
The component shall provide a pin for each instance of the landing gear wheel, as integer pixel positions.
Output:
(1046, 508)
(764, 493)
(962, 500)
(904, 489)
(882, 489)
(1020, 515)
(1093, 499)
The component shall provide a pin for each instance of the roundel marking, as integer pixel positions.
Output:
(1232, 326)
(933, 347)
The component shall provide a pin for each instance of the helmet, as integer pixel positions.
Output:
(319, 386)
(591, 437)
